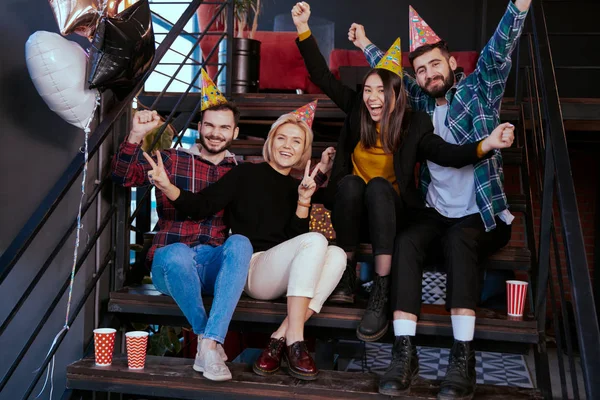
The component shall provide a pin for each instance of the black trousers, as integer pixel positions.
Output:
(370, 213)
(463, 243)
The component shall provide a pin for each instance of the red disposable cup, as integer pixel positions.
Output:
(516, 294)
(104, 344)
(136, 349)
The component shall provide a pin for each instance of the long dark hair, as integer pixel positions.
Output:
(392, 124)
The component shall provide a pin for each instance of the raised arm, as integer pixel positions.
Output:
(195, 205)
(319, 72)
(495, 62)
(357, 35)
(129, 167)
(435, 149)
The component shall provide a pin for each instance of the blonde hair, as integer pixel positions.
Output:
(308, 138)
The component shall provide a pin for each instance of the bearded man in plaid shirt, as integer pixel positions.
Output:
(191, 258)
(466, 208)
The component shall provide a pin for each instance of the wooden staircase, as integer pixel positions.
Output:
(173, 377)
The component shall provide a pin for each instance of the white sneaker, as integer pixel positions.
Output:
(211, 365)
(220, 348)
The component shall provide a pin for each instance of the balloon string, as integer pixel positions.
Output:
(65, 328)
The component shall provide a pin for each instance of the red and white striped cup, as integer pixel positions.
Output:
(104, 344)
(136, 349)
(516, 294)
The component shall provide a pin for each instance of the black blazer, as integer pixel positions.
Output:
(420, 143)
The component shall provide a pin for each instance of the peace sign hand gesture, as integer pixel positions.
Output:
(158, 176)
(307, 186)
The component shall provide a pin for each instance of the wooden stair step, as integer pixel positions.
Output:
(511, 156)
(253, 147)
(146, 302)
(269, 106)
(507, 258)
(175, 378)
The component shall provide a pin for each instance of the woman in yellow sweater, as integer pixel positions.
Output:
(372, 187)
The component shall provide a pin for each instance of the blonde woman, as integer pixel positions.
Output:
(264, 203)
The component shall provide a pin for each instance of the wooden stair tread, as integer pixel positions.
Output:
(509, 257)
(272, 105)
(174, 377)
(511, 156)
(491, 325)
(253, 147)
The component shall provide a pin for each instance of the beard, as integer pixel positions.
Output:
(441, 91)
(225, 144)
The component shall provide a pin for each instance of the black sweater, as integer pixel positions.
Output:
(419, 144)
(259, 202)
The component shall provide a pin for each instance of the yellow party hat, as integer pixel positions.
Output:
(211, 96)
(392, 60)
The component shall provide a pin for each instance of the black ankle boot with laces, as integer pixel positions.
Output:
(374, 323)
(403, 370)
(459, 383)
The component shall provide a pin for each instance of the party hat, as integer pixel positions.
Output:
(306, 113)
(392, 60)
(211, 96)
(419, 32)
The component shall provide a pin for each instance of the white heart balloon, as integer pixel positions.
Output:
(57, 67)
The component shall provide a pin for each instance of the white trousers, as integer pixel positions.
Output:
(305, 266)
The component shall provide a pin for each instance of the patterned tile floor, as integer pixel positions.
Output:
(492, 368)
(501, 369)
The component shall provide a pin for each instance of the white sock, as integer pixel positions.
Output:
(405, 327)
(463, 327)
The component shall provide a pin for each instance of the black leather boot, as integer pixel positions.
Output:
(374, 323)
(459, 383)
(403, 370)
(344, 291)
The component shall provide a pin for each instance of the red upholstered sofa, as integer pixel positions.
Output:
(282, 67)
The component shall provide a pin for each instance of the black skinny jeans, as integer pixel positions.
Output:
(463, 242)
(368, 212)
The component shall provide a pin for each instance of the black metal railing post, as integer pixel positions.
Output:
(230, 34)
(24, 238)
(116, 124)
(122, 202)
(557, 164)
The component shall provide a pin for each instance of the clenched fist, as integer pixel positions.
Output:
(143, 122)
(300, 15)
(356, 34)
(501, 138)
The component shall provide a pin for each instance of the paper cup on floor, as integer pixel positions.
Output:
(136, 349)
(516, 294)
(104, 344)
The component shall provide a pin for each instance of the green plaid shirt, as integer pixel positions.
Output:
(474, 109)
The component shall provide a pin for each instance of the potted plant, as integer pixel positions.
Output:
(246, 50)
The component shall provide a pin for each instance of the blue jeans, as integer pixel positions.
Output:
(185, 273)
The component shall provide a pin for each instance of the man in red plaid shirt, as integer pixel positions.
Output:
(190, 258)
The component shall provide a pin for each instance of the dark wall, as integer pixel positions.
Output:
(384, 20)
(37, 146)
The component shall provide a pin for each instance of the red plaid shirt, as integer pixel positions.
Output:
(130, 169)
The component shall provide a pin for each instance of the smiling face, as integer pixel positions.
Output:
(434, 72)
(374, 97)
(218, 130)
(287, 146)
